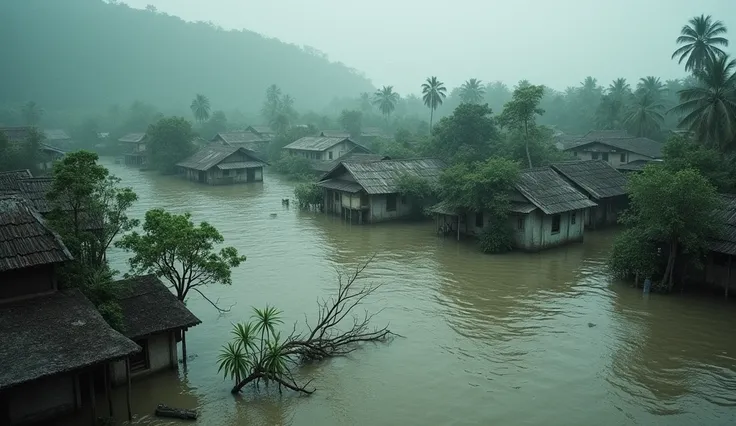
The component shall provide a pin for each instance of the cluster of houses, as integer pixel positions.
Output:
(58, 354)
(52, 147)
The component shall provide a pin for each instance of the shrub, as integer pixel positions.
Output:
(294, 166)
(309, 195)
(497, 237)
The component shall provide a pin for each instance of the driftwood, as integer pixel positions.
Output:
(175, 413)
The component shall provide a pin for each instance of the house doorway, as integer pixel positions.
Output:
(202, 177)
(250, 175)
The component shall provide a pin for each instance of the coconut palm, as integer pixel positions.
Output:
(645, 116)
(700, 40)
(433, 93)
(472, 91)
(32, 113)
(200, 108)
(709, 109)
(385, 98)
(652, 85)
(619, 89)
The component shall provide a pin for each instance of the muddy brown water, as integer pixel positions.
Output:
(518, 339)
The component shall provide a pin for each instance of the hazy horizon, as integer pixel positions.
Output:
(557, 44)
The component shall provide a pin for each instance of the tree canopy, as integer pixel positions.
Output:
(170, 142)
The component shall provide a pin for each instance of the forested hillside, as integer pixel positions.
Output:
(82, 54)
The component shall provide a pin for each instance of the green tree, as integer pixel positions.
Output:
(31, 113)
(681, 154)
(700, 41)
(365, 102)
(280, 123)
(200, 108)
(216, 124)
(708, 110)
(433, 93)
(472, 91)
(272, 105)
(385, 98)
(645, 116)
(674, 210)
(170, 142)
(183, 254)
(420, 192)
(352, 122)
(286, 107)
(619, 89)
(467, 135)
(653, 86)
(519, 113)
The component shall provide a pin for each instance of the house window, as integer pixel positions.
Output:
(226, 173)
(520, 223)
(391, 203)
(572, 218)
(594, 155)
(479, 219)
(140, 361)
(623, 157)
(605, 156)
(574, 153)
(329, 154)
(555, 224)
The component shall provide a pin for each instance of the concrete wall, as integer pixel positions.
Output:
(43, 399)
(162, 355)
(599, 151)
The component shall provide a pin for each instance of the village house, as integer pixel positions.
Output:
(615, 147)
(244, 139)
(323, 148)
(135, 148)
(355, 155)
(58, 138)
(602, 184)
(367, 134)
(18, 136)
(368, 191)
(719, 264)
(9, 180)
(55, 343)
(264, 132)
(218, 164)
(153, 318)
(546, 211)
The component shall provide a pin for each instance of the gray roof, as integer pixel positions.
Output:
(240, 137)
(53, 334)
(334, 134)
(213, 154)
(547, 190)
(642, 146)
(35, 190)
(341, 185)
(607, 134)
(47, 147)
(356, 154)
(726, 241)
(9, 180)
(257, 146)
(149, 307)
(262, 130)
(595, 177)
(133, 138)
(240, 165)
(316, 143)
(522, 208)
(56, 135)
(25, 240)
(443, 207)
(382, 177)
(636, 165)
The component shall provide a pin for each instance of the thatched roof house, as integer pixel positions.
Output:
(720, 268)
(218, 164)
(369, 190)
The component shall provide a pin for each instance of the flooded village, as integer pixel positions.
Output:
(486, 254)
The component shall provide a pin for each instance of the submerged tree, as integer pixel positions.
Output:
(472, 91)
(433, 93)
(174, 248)
(519, 114)
(200, 108)
(258, 352)
(385, 98)
(170, 142)
(700, 41)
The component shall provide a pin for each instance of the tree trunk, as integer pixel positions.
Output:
(669, 270)
(526, 144)
(431, 117)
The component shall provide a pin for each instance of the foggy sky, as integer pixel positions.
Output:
(401, 42)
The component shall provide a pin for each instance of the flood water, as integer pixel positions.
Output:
(517, 339)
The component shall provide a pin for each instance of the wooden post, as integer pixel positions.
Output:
(458, 227)
(728, 279)
(93, 401)
(127, 388)
(108, 392)
(184, 348)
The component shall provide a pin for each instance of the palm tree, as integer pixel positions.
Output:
(200, 108)
(709, 109)
(619, 89)
(31, 113)
(652, 85)
(433, 92)
(699, 42)
(645, 117)
(385, 98)
(472, 91)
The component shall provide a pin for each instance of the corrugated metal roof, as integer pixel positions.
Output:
(213, 154)
(240, 137)
(25, 240)
(547, 190)
(642, 146)
(726, 241)
(341, 185)
(356, 154)
(522, 208)
(316, 143)
(596, 177)
(239, 165)
(133, 138)
(382, 177)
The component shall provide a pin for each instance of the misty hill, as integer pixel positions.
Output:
(80, 54)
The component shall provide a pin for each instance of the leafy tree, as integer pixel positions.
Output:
(472, 91)
(467, 135)
(652, 86)
(286, 107)
(309, 195)
(681, 154)
(674, 210)
(619, 89)
(31, 113)
(700, 41)
(170, 142)
(365, 102)
(519, 114)
(709, 109)
(173, 248)
(433, 93)
(352, 122)
(418, 190)
(216, 124)
(200, 108)
(295, 167)
(280, 123)
(272, 105)
(385, 98)
(645, 116)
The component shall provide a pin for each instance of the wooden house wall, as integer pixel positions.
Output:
(43, 399)
(614, 154)
(162, 355)
(379, 213)
(27, 281)
(337, 151)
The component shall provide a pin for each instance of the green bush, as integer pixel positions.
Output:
(294, 166)
(497, 237)
(309, 195)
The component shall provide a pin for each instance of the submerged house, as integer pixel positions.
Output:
(546, 211)
(356, 156)
(56, 346)
(218, 164)
(244, 139)
(323, 148)
(18, 136)
(720, 268)
(153, 318)
(616, 148)
(602, 184)
(135, 148)
(368, 191)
